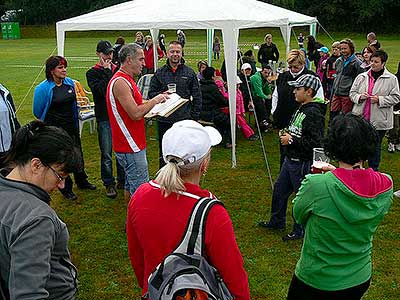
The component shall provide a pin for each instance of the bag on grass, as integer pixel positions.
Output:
(185, 274)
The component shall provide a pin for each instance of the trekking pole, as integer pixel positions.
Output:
(258, 130)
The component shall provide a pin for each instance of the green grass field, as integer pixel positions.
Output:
(96, 223)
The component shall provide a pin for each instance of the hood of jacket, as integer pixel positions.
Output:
(367, 190)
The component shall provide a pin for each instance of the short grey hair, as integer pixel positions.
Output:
(128, 50)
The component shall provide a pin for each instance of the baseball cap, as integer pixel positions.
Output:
(306, 80)
(323, 49)
(189, 141)
(104, 47)
(246, 66)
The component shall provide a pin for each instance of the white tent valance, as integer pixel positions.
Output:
(227, 15)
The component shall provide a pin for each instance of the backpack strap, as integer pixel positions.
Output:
(194, 237)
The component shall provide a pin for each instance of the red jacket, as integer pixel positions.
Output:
(149, 56)
(155, 226)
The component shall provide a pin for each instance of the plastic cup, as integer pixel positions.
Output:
(320, 160)
(171, 88)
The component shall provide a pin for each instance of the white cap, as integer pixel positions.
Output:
(189, 141)
(238, 80)
(246, 66)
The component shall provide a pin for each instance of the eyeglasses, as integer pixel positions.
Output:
(59, 177)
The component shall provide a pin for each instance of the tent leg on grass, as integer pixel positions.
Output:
(259, 133)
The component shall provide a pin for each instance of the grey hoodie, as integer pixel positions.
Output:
(34, 258)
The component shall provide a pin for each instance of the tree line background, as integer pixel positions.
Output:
(334, 15)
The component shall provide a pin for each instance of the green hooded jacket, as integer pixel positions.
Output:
(341, 211)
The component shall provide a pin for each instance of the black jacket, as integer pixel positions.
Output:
(267, 53)
(287, 103)
(213, 100)
(187, 85)
(97, 79)
(306, 128)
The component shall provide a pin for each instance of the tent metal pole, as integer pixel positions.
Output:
(259, 131)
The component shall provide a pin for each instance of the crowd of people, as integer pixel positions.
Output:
(335, 261)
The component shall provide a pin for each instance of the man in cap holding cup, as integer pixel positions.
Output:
(304, 133)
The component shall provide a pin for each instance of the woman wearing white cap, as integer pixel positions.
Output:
(159, 210)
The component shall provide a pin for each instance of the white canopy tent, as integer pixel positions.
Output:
(227, 15)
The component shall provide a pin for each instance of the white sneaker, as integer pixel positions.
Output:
(397, 194)
(391, 148)
(397, 146)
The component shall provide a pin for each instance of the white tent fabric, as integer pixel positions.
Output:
(227, 15)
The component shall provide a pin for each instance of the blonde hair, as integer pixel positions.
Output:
(296, 56)
(170, 177)
(336, 44)
(267, 36)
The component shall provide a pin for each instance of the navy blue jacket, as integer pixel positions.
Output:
(187, 86)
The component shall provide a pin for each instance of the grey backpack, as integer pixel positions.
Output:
(185, 274)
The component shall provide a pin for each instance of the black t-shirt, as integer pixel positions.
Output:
(61, 110)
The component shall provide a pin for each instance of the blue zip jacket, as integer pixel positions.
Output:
(43, 96)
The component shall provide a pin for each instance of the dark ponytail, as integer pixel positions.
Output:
(52, 145)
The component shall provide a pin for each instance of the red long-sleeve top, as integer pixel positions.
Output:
(155, 226)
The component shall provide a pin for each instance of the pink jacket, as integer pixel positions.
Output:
(239, 97)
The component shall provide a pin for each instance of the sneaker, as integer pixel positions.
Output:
(397, 194)
(111, 192)
(69, 195)
(86, 185)
(391, 148)
(253, 137)
(397, 147)
(292, 236)
(120, 186)
(270, 225)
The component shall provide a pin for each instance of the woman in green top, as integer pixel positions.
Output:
(341, 211)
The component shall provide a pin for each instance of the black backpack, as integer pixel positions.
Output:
(185, 274)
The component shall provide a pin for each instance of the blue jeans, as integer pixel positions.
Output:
(135, 167)
(289, 181)
(375, 159)
(105, 143)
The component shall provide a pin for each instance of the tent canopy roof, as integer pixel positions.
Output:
(228, 15)
(186, 14)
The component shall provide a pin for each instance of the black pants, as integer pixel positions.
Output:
(298, 290)
(261, 110)
(80, 174)
(223, 125)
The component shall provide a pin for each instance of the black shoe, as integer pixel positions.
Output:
(111, 192)
(86, 186)
(69, 195)
(292, 236)
(270, 225)
(120, 186)
(253, 137)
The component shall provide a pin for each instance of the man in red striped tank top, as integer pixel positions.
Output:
(126, 111)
